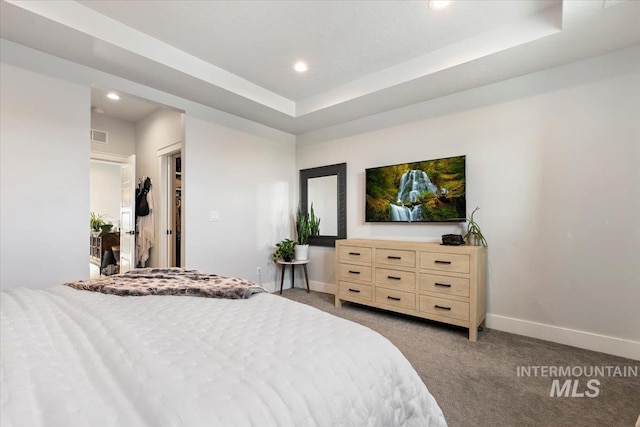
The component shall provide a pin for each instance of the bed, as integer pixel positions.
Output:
(79, 358)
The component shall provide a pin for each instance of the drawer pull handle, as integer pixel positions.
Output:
(442, 262)
(354, 272)
(394, 278)
(394, 257)
(394, 298)
(441, 307)
(354, 253)
(444, 285)
(354, 290)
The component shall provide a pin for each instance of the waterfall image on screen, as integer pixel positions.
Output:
(426, 191)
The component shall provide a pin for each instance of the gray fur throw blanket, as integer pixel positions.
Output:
(170, 281)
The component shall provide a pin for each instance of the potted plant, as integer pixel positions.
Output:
(303, 231)
(474, 234)
(95, 223)
(285, 250)
(98, 225)
(105, 228)
(314, 223)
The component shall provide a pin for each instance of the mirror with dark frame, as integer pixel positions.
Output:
(326, 188)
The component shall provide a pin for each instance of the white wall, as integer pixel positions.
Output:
(105, 189)
(63, 73)
(562, 146)
(121, 135)
(44, 186)
(556, 175)
(159, 129)
(250, 181)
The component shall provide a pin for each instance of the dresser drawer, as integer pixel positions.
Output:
(444, 307)
(355, 272)
(456, 263)
(396, 298)
(355, 254)
(396, 257)
(445, 285)
(396, 279)
(355, 292)
(424, 279)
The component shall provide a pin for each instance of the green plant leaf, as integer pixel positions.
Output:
(473, 229)
(285, 250)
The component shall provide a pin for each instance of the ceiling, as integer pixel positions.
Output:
(365, 57)
(126, 108)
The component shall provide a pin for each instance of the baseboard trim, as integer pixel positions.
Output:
(572, 337)
(327, 288)
(587, 340)
(270, 287)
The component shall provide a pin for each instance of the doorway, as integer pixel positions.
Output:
(129, 126)
(171, 161)
(175, 215)
(106, 207)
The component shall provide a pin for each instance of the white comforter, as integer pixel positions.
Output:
(78, 358)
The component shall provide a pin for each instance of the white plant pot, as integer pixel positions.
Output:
(302, 252)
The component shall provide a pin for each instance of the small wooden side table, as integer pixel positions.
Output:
(293, 264)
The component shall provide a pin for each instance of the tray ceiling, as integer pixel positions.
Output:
(364, 57)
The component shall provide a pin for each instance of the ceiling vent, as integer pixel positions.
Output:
(99, 136)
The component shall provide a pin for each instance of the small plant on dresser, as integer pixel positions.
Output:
(474, 234)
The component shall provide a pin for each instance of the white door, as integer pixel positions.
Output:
(128, 215)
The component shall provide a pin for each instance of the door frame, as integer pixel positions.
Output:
(116, 159)
(108, 157)
(164, 156)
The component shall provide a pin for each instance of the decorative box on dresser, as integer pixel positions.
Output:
(428, 280)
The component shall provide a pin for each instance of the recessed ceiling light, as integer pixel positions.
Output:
(113, 95)
(300, 66)
(438, 4)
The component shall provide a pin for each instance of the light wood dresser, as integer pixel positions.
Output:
(428, 280)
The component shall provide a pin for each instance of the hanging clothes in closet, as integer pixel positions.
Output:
(145, 237)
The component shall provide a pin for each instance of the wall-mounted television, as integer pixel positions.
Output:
(425, 191)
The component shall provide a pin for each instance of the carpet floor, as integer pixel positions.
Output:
(477, 384)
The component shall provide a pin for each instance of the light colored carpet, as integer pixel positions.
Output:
(476, 384)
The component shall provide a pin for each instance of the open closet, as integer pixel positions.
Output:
(176, 210)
